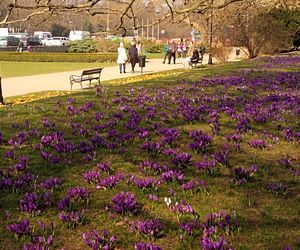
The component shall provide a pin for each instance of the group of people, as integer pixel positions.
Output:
(184, 49)
(133, 53)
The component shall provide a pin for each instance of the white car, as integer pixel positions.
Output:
(56, 41)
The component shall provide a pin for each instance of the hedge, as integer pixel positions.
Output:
(58, 57)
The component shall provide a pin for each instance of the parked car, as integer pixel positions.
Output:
(33, 41)
(43, 35)
(63, 40)
(9, 41)
(57, 41)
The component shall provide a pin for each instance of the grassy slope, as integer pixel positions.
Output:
(267, 222)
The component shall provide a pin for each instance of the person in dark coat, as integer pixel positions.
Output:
(172, 51)
(195, 57)
(133, 56)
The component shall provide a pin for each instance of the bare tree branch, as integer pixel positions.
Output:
(176, 11)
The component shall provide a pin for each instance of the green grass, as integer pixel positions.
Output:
(13, 69)
(267, 222)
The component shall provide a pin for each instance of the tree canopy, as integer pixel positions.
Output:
(126, 11)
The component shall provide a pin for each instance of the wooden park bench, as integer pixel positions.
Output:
(87, 75)
(195, 63)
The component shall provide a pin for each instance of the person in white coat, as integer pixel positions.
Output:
(122, 58)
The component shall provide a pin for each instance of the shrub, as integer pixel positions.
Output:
(221, 53)
(83, 46)
(104, 45)
(152, 47)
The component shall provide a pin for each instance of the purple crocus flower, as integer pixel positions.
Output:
(222, 155)
(10, 154)
(105, 167)
(257, 143)
(29, 203)
(96, 242)
(276, 188)
(20, 229)
(145, 183)
(172, 175)
(22, 164)
(153, 197)
(64, 203)
(182, 208)
(181, 159)
(110, 181)
(48, 124)
(51, 183)
(125, 202)
(169, 135)
(193, 185)
(190, 228)
(151, 147)
(209, 243)
(146, 246)
(150, 228)
(91, 176)
(79, 193)
(73, 218)
(222, 221)
(149, 168)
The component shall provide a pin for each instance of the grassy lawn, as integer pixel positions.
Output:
(13, 69)
(222, 139)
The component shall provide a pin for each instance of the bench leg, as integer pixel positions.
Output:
(71, 85)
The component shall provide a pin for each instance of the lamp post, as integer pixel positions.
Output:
(1, 96)
(152, 35)
(210, 35)
(107, 17)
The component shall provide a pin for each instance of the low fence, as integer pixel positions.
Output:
(58, 49)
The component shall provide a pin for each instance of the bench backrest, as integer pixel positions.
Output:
(91, 71)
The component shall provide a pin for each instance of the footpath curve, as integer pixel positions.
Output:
(14, 86)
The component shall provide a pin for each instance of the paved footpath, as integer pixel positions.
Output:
(60, 81)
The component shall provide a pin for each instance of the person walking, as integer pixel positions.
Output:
(139, 48)
(172, 52)
(184, 49)
(20, 46)
(122, 58)
(133, 56)
(166, 50)
(179, 48)
(202, 50)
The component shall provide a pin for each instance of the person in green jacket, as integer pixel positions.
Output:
(166, 51)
